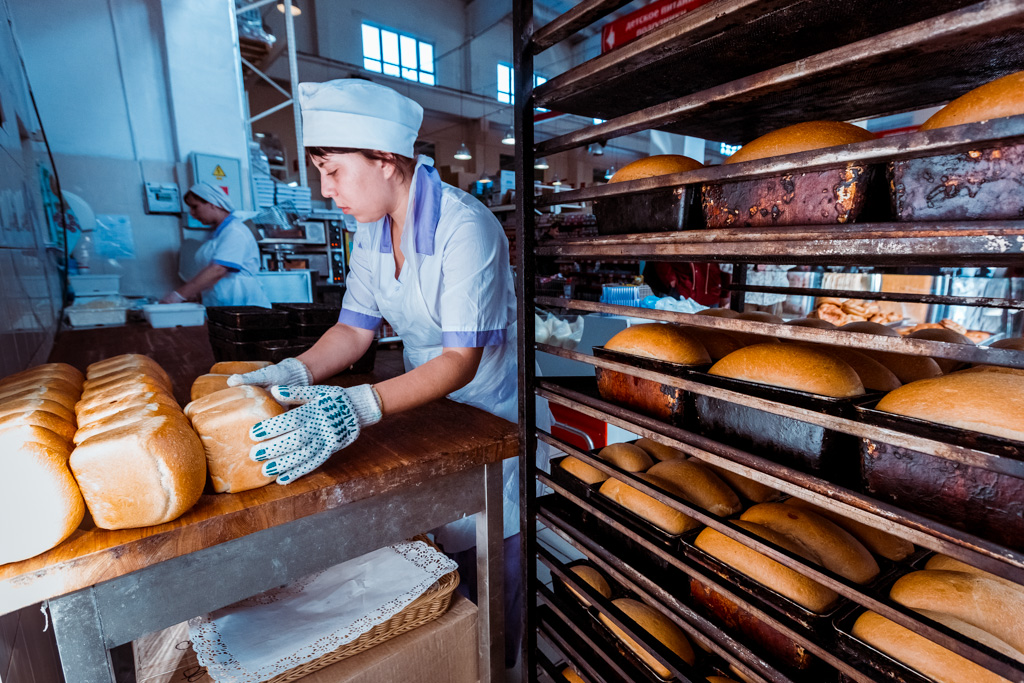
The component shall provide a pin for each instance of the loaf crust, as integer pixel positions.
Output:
(877, 541)
(1001, 97)
(659, 626)
(791, 366)
(208, 384)
(800, 137)
(592, 578)
(667, 519)
(659, 164)
(697, 484)
(582, 471)
(626, 456)
(237, 367)
(662, 341)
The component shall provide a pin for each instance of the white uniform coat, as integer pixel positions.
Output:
(233, 247)
(455, 290)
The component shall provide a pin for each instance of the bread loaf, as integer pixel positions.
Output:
(987, 402)
(53, 383)
(223, 396)
(129, 375)
(659, 164)
(658, 450)
(994, 368)
(88, 415)
(919, 653)
(237, 367)
(784, 581)
(812, 322)
(124, 417)
(40, 418)
(873, 375)
(40, 503)
(208, 384)
(1013, 343)
(907, 368)
(1001, 97)
(224, 431)
(668, 519)
(747, 488)
(877, 541)
(142, 474)
(125, 362)
(592, 578)
(695, 483)
(571, 676)
(759, 316)
(46, 371)
(665, 342)
(25, 405)
(801, 137)
(626, 456)
(719, 312)
(942, 334)
(41, 391)
(717, 343)
(658, 625)
(719, 679)
(791, 366)
(947, 563)
(582, 471)
(867, 327)
(120, 391)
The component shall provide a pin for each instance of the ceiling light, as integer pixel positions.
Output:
(541, 164)
(509, 138)
(484, 180)
(556, 182)
(609, 173)
(595, 149)
(296, 10)
(462, 153)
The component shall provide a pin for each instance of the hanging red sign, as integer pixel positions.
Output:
(635, 24)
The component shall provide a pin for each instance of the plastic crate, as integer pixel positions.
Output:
(174, 315)
(86, 316)
(92, 285)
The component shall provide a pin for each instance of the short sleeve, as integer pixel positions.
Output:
(233, 246)
(475, 285)
(359, 307)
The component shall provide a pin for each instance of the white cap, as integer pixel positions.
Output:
(351, 112)
(212, 194)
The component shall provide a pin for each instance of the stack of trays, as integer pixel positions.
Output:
(264, 187)
(238, 332)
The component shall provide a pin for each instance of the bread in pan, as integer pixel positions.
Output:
(718, 343)
(658, 450)
(943, 335)
(868, 327)
(879, 542)
(873, 374)
(659, 164)
(1013, 343)
(812, 322)
(791, 366)
(658, 625)
(719, 313)
(996, 99)
(626, 456)
(593, 578)
(800, 137)
(693, 482)
(668, 519)
(747, 488)
(662, 341)
(947, 563)
(582, 471)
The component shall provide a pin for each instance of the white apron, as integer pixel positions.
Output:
(234, 247)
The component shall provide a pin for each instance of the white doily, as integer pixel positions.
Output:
(273, 632)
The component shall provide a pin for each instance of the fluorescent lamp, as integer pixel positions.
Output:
(541, 164)
(462, 153)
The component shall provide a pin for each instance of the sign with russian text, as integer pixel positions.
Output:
(635, 24)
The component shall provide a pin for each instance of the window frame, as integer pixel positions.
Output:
(407, 54)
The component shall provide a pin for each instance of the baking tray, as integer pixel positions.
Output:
(224, 349)
(828, 197)
(577, 487)
(238, 334)
(981, 184)
(247, 317)
(310, 314)
(985, 503)
(887, 668)
(277, 350)
(662, 210)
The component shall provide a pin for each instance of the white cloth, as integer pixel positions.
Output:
(455, 290)
(234, 247)
(271, 633)
(351, 112)
(212, 194)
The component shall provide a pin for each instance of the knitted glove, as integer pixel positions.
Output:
(299, 441)
(290, 371)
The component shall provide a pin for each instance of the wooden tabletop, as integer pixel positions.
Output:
(401, 451)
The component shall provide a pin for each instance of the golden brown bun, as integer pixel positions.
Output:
(996, 99)
(812, 322)
(142, 474)
(87, 416)
(867, 327)
(783, 580)
(801, 137)
(759, 316)
(717, 343)
(237, 367)
(1015, 343)
(877, 541)
(873, 374)
(120, 391)
(224, 431)
(669, 520)
(825, 542)
(125, 362)
(659, 451)
(208, 384)
(719, 313)
(754, 491)
(906, 368)
(592, 578)
(658, 625)
(947, 563)
(792, 366)
(663, 341)
(40, 418)
(46, 371)
(978, 601)
(26, 405)
(582, 471)
(693, 482)
(42, 391)
(571, 676)
(626, 456)
(112, 379)
(659, 164)
(39, 500)
(919, 653)
(987, 402)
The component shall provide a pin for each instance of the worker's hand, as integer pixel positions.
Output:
(299, 441)
(172, 298)
(291, 372)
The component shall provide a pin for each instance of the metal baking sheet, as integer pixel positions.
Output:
(247, 317)
(665, 210)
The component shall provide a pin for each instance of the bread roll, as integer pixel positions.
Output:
(571, 676)
(919, 653)
(46, 371)
(120, 391)
(127, 416)
(658, 625)
(658, 450)
(867, 327)
(626, 456)
(668, 519)
(987, 402)
(42, 391)
(40, 503)
(791, 366)
(142, 474)
(208, 384)
(582, 471)
(996, 99)
(877, 541)
(826, 543)
(87, 416)
(1014, 343)
(127, 361)
(238, 367)
(791, 584)
(801, 137)
(812, 322)
(592, 578)
(665, 342)
(40, 418)
(989, 605)
(659, 164)
(754, 491)
(224, 431)
(26, 405)
(693, 482)
(946, 563)
(717, 343)
(223, 396)
(873, 375)
(719, 312)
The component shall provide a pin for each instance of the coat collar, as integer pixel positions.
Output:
(424, 213)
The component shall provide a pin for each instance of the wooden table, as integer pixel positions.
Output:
(404, 476)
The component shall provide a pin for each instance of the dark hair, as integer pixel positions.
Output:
(195, 197)
(404, 165)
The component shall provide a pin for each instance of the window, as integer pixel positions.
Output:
(507, 84)
(728, 150)
(396, 54)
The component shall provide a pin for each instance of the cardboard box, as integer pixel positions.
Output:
(442, 651)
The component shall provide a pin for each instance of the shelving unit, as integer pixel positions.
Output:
(729, 71)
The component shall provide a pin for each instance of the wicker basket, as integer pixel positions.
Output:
(427, 607)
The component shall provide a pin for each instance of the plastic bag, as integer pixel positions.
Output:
(565, 333)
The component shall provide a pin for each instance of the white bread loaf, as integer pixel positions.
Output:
(43, 391)
(124, 417)
(792, 366)
(223, 396)
(142, 474)
(582, 471)
(42, 372)
(95, 386)
(120, 391)
(667, 519)
(204, 385)
(747, 488)
(593, 578)
(87, 416)
(124, 362)
(237, 367)
(40, 418)
(693, 482)
(126, 384)
(658, 450)
(224, 431)
(40, 503)
(55, 383)
(626, 456)
(25, 405)
(658, 625)
(947, 563)
(877, 541)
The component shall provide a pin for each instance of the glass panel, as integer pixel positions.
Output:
(427, 57)
(504, 82)
(504, 98)
(427, 78)
(390, 43)
(392, 69)
(371, 65)
(409, 73)
(371, 42)
(408, 51)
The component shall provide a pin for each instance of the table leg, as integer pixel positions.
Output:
(490, 578)
(83, 651)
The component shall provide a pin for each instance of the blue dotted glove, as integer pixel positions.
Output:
(290, 371)
(328, 419)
